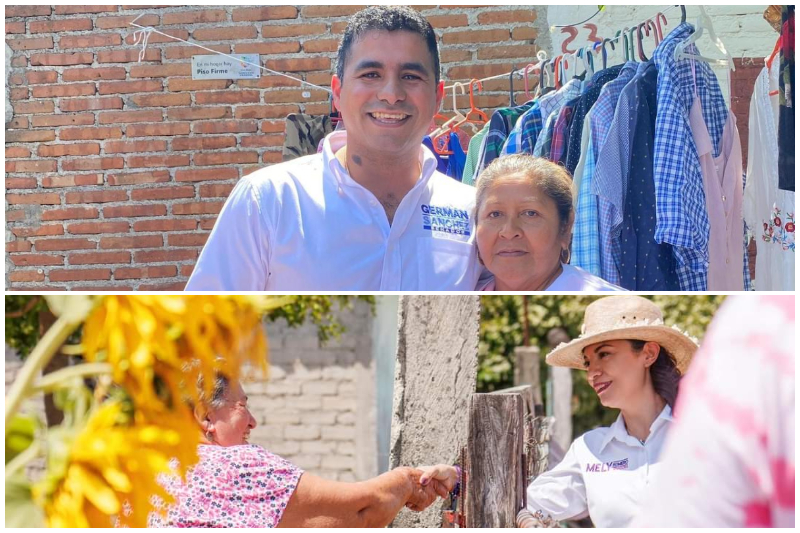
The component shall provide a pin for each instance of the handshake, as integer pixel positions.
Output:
(428, 483)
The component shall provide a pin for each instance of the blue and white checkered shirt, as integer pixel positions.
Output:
(550, 105)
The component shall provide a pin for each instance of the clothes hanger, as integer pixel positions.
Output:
(511, 101)
(659, 17)
(704, 24)
(683, 14)
(482, 118)
(439, 133)
(525, 72)
(639, 40)
(605, 54)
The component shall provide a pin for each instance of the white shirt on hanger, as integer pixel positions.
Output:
(307, 225)
(605, 472)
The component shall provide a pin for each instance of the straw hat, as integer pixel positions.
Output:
(624, 317)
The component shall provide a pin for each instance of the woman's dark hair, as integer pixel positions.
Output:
(387, 18)
(664, 373)
(217, 398)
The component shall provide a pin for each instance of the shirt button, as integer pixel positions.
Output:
(723, 198)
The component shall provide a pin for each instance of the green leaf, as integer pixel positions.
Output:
(21, 511)
(74, 308)
(19, 435)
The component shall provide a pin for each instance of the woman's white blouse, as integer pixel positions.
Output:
(604, 472)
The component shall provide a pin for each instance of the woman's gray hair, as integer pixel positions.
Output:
(220, 391)
(552, 179)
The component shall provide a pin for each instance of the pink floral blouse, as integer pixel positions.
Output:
(729, 459)
(233, 486)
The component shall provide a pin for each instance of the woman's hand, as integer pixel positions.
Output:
(442, 478)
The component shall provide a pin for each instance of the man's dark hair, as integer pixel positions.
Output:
(387, 18)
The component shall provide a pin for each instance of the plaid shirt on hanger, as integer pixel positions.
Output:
(682, 218)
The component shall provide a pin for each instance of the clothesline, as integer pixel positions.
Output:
(521, 71)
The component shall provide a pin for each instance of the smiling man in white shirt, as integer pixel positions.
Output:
(370, 212)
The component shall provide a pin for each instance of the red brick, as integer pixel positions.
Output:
(262, 141)
(207, 223)
(58, 150)
(176, 286)
(38, 199)
(271, 48)
(92, 197)
(136, 178)
(198, 113)
(127, 56)
(90, 104)
(127, 211)
(36, 77)
(51, 245)
(74, 89)
(83, 228)
(148, 161)
(18, 123)
(21, 183)
(272, 126)
(329, 11)
(18, 93)
(161, 100)
(164, 271)
(207, 174)
(100, 258)
(454, 56)
(187, 239)
(70, 213)
(36, 259)
(41, 288)
(128, 117)
(290, 96)
(320, 78)
(508, 51)
(157, 130)
(33, 108)
(197, 208)
(507, 17)
(27, 11)
(20, 151)
(202, 143)
(161, 256)
(16, 215)
(161, 71)
(476, 36)
(225, 158)
(85, 134)
(241, 14)
(45, 165)
(469, 72)
(265, 111)
(162, 193)
(21, 136)
(40, 231)
(525, 33)
(186, 52)
(30, 43)
(225, 126)
(141, 241)
(18, 246)
(19, 61)
(228, 97)
(125, 147)
(106, 23)
(194, 17)
(268, 158)
(16, 79)
(127, 87)
(60, 26)
(92, 163)
(155, 38)
(102, 288)
(321, 45)
(71, 10)
(15, 28)
(447, 21)
(165, 225)
(26, 275)
(225, 34)
(270, 31)
(82, 74)
(72, 181)
(61, 60)
(216, 190)
(84, 274)
(188, 84)
(299, 64)
(63, 120)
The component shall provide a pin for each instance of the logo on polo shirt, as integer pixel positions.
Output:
(605, 467)
(445, 220)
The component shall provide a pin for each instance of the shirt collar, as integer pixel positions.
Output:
(336, 140)
(619, 432)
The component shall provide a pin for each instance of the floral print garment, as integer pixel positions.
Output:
(234, 486)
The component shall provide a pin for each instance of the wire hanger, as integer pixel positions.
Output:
(704, 24)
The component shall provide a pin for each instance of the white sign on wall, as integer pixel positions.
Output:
(217, 67)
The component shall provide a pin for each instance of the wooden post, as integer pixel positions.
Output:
(495, 481)
(526, 372)
(562, 398)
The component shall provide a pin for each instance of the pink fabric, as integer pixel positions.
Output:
(729, 461)
(233, 486)
(722, 180)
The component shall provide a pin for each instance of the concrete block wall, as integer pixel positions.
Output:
(116, 169)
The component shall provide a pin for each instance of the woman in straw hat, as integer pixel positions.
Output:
(634, 363)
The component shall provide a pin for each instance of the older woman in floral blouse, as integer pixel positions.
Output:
(237, 484)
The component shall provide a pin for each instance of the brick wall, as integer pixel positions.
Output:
(116, 170)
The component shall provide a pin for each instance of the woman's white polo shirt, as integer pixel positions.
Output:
(604, 472)
(307, 225)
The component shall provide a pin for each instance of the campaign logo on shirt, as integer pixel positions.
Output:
(605, 467)
(445, 220)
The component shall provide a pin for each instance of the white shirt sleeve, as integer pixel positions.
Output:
(559, 494)
(235, 257)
